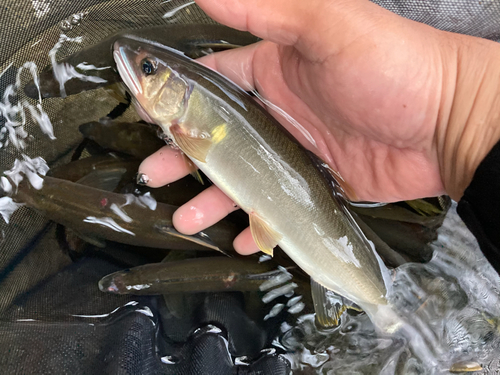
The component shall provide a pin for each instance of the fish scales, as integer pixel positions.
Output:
(288, 186)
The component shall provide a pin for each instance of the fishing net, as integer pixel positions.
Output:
(53, 318)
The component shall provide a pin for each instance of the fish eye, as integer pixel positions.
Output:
(148, 67)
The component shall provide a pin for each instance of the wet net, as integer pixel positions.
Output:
(53, 318)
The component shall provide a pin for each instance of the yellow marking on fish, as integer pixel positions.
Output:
(219, 133)
(166, 75)
(336, 318)
(465, 366)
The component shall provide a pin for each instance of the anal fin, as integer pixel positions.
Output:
(91, 240)
(264, 236)
(329, 306)
(107, 180)
(424, 208)
(194, 171)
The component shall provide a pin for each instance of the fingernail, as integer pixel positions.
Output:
(142, 179)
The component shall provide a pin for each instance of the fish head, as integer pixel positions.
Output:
(151, 73)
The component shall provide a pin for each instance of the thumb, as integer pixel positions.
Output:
(302, 24)
(280, 21)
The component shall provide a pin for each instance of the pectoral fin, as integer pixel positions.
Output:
(106, 180)
(194, 147)
(194, 171)
(199, 238)
(424, 208)
(328, 305)
(264, 236)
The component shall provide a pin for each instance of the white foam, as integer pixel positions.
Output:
(175, 10)
(279, 279)
(275, 311)
(107, 222)
(14, 112)
(122, 214)
(31, 168)
(278, 292)
(41, 7)
(138, 286)
(297, 308)
(85, 66)
(7, 208)
(64, 72)
(145, 200)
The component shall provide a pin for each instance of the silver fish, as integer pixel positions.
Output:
(253, 160)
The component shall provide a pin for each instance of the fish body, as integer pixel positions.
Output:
(252, 159)
(105, 172)
(135, 139)
(117, 217)
(212, 274)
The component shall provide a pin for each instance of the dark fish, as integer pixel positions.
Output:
(407, 228)
(176, 193)
(195, 40)
(138, 221)
(91, 170)
(214, 274)
(431, 215)
(135, 139)
(122, 169)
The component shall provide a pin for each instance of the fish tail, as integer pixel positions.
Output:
(421, 340)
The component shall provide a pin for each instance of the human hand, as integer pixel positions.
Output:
(400, 109)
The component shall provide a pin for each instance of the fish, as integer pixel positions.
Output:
(120, 173)
(400, 211)
(195, 40)
(408, 228)
(93, 170)
(243, 150)
(124, 218)
(135, 139)
(207, 274)
(465, 366)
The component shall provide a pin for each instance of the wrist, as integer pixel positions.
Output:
(469, 120)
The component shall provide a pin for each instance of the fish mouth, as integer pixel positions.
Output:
(125, 70)
(129, 78)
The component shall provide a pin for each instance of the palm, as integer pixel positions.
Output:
(366, 120)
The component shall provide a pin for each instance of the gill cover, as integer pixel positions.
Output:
(150, 73)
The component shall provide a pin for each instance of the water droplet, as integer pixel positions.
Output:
(241, 361)
(169, 360)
